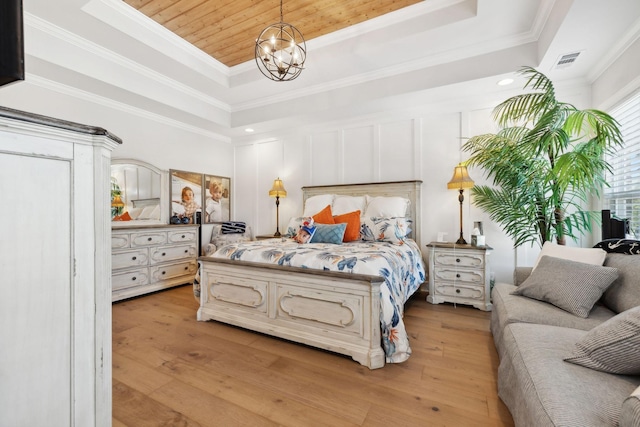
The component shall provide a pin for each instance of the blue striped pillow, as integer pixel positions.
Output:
(233, 227)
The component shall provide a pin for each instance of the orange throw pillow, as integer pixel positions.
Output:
(324, 216)
(353, 225)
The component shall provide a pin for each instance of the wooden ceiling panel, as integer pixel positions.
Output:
(227, 29)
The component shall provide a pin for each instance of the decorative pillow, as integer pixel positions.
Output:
(329, 233)
(624, 293)
(630, 413)
(316, 203)
(620, 246)
(572, 286)
(353, 225)
(389, 207)
(325, 216)
(346, 204)
(233, 227)
(586, 255)
(393, 230)
(613, 346)
(294, 225)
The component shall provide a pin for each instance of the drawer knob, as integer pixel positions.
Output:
(457, 291)
(457, 259)
(183, 236)
(163, 272)
(133, 279)
(163, 253)
(134, 258)
(186, 268)
(149, 239)
(186, 251)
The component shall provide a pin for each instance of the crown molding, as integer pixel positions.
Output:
(126, 108)
(615, 52)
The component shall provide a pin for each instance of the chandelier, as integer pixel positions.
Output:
(281, 51)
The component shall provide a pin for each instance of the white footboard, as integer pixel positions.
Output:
(334, 311)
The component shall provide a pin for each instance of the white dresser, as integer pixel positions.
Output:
(151, 258)
(459, 274)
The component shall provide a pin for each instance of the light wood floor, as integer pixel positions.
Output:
(171, 370)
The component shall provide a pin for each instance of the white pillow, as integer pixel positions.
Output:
(135, 213)
(315, 204)
(593, 256)
(386, 207)
(346, 204)
(147, 212)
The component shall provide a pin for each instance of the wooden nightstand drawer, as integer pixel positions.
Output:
(462, 276)
(459, 259)
(460, 291)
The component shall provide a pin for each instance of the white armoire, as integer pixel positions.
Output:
(55, 272)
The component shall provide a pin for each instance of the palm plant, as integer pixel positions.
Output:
(545, 163)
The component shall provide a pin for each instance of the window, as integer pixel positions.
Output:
(622, 196)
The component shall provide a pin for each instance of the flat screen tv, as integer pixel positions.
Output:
(11, 42)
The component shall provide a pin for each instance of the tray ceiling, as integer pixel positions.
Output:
(227, 29)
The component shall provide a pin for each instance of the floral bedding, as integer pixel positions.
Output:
(401, 266)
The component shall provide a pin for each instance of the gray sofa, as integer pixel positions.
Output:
(533, 338)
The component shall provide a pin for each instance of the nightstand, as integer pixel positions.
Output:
(459, 274)
(265, 237)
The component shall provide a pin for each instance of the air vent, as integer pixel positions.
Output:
(567, 59)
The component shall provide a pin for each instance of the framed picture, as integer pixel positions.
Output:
(216, 199)
(186, 196)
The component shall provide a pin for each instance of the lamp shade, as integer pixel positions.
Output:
(460, 179)
(117, 202)
(278, 189)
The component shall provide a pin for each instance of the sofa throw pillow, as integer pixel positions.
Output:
(572, 286)
(593, 256)
(352, 219)
(325, 216)
(624, 293)
(329, 233)
(613, 346)
(620, 246)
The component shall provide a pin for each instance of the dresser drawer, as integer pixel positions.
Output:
(130, 278)
(132, 258)
(459, 275)
(459, 291)
(120, 241)
(459, 259)
(170, 271)
(148, 238)
(183, 236)
(172, 253)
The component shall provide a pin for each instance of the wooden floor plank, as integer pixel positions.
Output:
(169, 369)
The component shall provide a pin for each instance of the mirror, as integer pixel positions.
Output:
(138, 193)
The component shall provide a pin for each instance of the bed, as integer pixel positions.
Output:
(345, 298)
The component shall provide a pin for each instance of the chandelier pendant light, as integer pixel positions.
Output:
(281, 51)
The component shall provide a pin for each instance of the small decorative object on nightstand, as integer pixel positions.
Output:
(459, 274)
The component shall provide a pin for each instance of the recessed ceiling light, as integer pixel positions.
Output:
(505, 82)
(248, 130)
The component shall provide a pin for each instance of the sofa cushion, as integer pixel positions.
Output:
(613, 346)
(630, 414)
(570, 285)
(509, 308)
(540, 389)
(593, 256)
(624, 292)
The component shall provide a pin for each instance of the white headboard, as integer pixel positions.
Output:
(406, 189)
